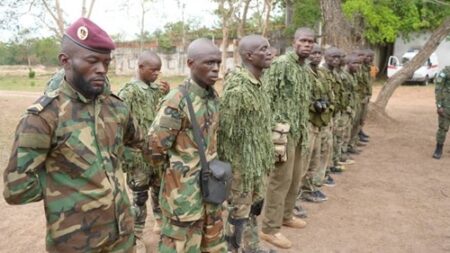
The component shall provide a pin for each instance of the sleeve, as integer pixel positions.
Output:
(30, 148)
(164, 130)
(440, 80)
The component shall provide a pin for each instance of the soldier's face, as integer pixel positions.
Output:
(354, 66)
(87, 72)
(303, 44)
(205, 68)
(261, 57)
(149, 71)
(333, 60)
(315, 57)
(368, 59)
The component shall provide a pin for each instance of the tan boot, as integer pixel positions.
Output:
(157, 227)
(277, 239)
(294, 222)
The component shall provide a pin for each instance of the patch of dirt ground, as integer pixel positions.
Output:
(396, 198)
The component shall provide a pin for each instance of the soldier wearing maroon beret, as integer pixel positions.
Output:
(67, 152)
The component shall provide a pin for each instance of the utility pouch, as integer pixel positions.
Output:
(280, 139)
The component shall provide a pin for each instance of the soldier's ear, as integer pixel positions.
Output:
(190, 62)
(63, 59)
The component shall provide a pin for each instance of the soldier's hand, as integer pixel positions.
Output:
(440, 111)
(318, 106)
(165, 87)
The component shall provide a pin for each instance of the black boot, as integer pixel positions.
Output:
(361, 133)
(438, 152)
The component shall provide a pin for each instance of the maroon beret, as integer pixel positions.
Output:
(87, 34)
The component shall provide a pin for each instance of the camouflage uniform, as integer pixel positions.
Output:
(66, 152)
(363, 79)
(189, 224)
(142, 99)
(56, 81)
(289, 87)
(442, 92)
(245, 141)
(359, 97)
(320, 131)
(350, 85)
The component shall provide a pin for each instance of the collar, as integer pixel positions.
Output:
(200, 91)
(293, 56)
(141, 84)
(249, 75)
(67, 89)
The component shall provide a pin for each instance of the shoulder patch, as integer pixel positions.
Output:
(41, 103)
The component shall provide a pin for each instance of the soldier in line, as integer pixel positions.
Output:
(442, 92)
(245, 116)
(289, 88)
(67, 152)
(189, 224)
(366, 87)
(332, 62)
(353, 64)
(348, 84)
(142, 96)
(321, 112)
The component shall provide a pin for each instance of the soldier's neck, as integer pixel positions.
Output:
(257, 72)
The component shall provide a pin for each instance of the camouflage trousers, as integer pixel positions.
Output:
(321, 157)
(443, 125)
(356, 126)
(123, 244)
(364, 109)
(341, 135)
(204, 235)
(142, 180)
(243, 210)
(282, 187)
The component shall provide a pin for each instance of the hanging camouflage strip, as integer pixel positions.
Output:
(245, 127)
(143, 100)
(288, 86)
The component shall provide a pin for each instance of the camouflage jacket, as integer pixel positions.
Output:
(321, 90)
(336, 88)
(142, 100)
(442, 90)
(346, 85)
(171, 134)
(288, 85)
(66, 152)
(245, 128)
(364, 81)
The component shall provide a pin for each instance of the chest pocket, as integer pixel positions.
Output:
(78, 150)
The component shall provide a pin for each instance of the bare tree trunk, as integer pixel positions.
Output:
(141, 40)
(57, 17)
(91, 7)
(83, 8)
(266, 22)
(226, 15)
(337, 30)
(396, 80)
(289, 12)
(243, 20)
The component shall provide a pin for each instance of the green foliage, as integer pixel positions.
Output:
(38, 51)
(383, 21)
(31, 73)
(306, 13)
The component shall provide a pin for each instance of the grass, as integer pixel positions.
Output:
(38, 84)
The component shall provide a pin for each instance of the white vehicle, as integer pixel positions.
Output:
(424, 74)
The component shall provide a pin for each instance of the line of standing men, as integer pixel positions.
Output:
(73, 143)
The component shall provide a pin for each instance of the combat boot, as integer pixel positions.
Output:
(361, 133)
(438, 152)
(277, 239)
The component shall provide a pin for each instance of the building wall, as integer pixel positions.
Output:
(125, 62)
(401, 46)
